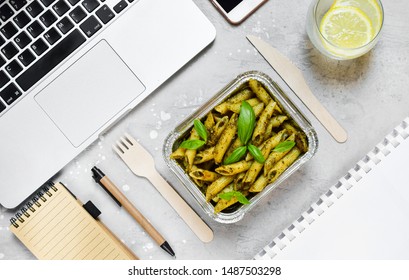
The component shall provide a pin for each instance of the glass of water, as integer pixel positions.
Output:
(344, 29)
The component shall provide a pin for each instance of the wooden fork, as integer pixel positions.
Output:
(141, 163)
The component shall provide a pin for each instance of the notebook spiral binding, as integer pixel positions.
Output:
(36, 201)
(365, 165)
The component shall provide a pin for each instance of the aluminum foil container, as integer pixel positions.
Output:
(174, 139)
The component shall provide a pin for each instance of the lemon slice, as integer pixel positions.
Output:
(370, 7)
(346, 27)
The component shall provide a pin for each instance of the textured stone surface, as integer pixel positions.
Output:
(369, 96)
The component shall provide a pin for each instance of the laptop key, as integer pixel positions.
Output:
(65, 25)
(26, 57)
(105, 14)
(73, 2)
(9, 30)
(17, 4)
(13, 68)
(47, 2)
(50, 60)
(39, 46)
(52, 36)
(78, 14)
(34, 9)
(48, 18)
(2, 61)
(9, 50)
(90, 26)
(120, 6)
(90, 5)
(35, 29)
(6, 12)
(22, 40)
(10, 93)
(61, 7)
(2, 106)
(2, 41)
(22, 19)
(4, 79)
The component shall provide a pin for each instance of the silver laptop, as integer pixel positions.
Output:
(71, 68)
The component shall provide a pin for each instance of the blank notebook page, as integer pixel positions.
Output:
(363, 216)
(62, 229)
(369, 220)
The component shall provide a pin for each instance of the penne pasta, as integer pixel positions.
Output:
(274, 123)
(217, 118)
(217, 130)
(198, 182)
(283, 164)
(178, 154)
(301, 142)
(261, 125)
(204, 175)
(214, 188)
(245, 175)
(223, 108)
(209, 122)
(259, 91)
(277, 110)
(274, 157)
(234, 168)
(259, 184)
(229, 188)
(204, 156)
(256, 167)
(290, 128)
(238, 181)
(244, 94)
(258, 109)
(235, 107)
(223, 204)
(225, 139)
(277, 120)
(190, 154)
(236, 143)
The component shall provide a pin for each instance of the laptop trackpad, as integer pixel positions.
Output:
(89, 93)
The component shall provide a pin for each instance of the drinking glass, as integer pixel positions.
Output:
(316, 11)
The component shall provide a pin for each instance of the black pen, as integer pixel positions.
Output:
(121, 199)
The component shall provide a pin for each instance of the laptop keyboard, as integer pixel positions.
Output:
(37, 35)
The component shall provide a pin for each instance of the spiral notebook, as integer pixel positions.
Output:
(364, 216)
(54, 225)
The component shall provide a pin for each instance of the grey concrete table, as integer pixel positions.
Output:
(369, 96)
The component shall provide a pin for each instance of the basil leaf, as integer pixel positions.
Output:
(284, 146)
(227, 195)
(200, 129)
(192, 144)
(256, 153)
(240, 197)
(236, 155)
(246, 122)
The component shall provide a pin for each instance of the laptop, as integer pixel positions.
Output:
(71, 68)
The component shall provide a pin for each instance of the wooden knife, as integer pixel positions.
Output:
(294, 78)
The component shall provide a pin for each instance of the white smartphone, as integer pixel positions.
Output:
(235, 11)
